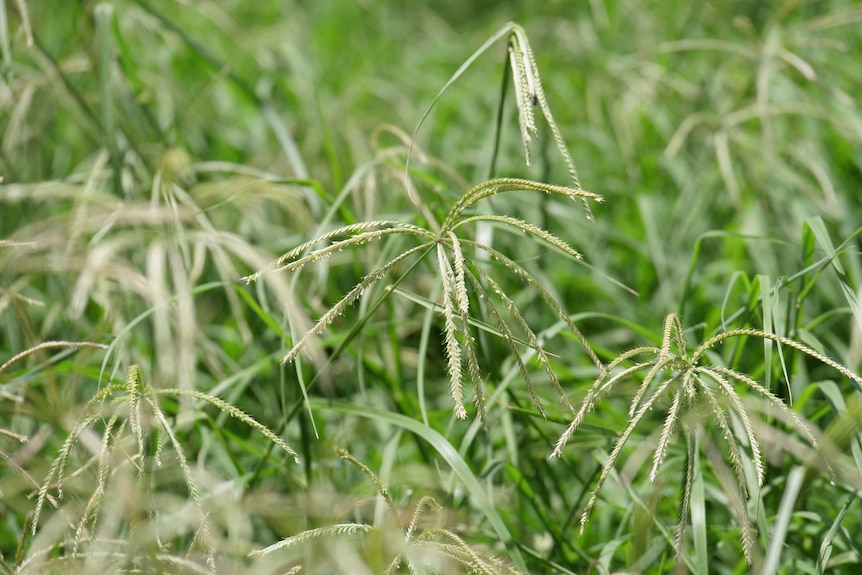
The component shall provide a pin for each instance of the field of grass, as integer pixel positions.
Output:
(434, 287)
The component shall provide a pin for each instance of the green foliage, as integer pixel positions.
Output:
(225, 202)
(422, 547)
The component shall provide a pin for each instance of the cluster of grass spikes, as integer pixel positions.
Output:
(694, 390)
(135, 426)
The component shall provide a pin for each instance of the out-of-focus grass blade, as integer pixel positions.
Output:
(104, 15)
(825, 242)
(557, 568)
(267, 111)
(695, 260)
(277, 329)
(698, 516)
(826, 544)
(120, 336)
(782, 521)
(606, 556)
(390, 455)
(818, 228)
(5, 46)
(524, 487)
(843, 432)
(265, 317)
(656, 519)
(768, 325)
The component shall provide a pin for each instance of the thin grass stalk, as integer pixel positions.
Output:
(773, 399)
(326, 252)
(475, 560)
(381, 489)
(733, 446)
(348, 230)
(351, 335)
(328, 531)
(679, 540)
(426, 503)
(737, 495)
(58, 467)
(49, 345)
(189, 481)
(666, 434)
(782, 340)
(94, 504)
(657, 367)
(236, 413)
(519, 271)
(500, 185)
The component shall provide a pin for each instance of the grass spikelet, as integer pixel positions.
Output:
(450, 331)
(191, 484)
(49, 345)
(463, 303)
(618, 447)
(666, 435)
(328, 531)
(528, 83)
(500, 185)
(324, 253)
(535, 344)
(427, 503)
(510, 340)
(236, 413)
(381, 489)
(525, 227)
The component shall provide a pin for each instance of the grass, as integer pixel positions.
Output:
(331, 287)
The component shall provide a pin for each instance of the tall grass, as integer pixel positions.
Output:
(446, 355)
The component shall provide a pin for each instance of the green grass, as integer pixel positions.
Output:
(341, 287)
